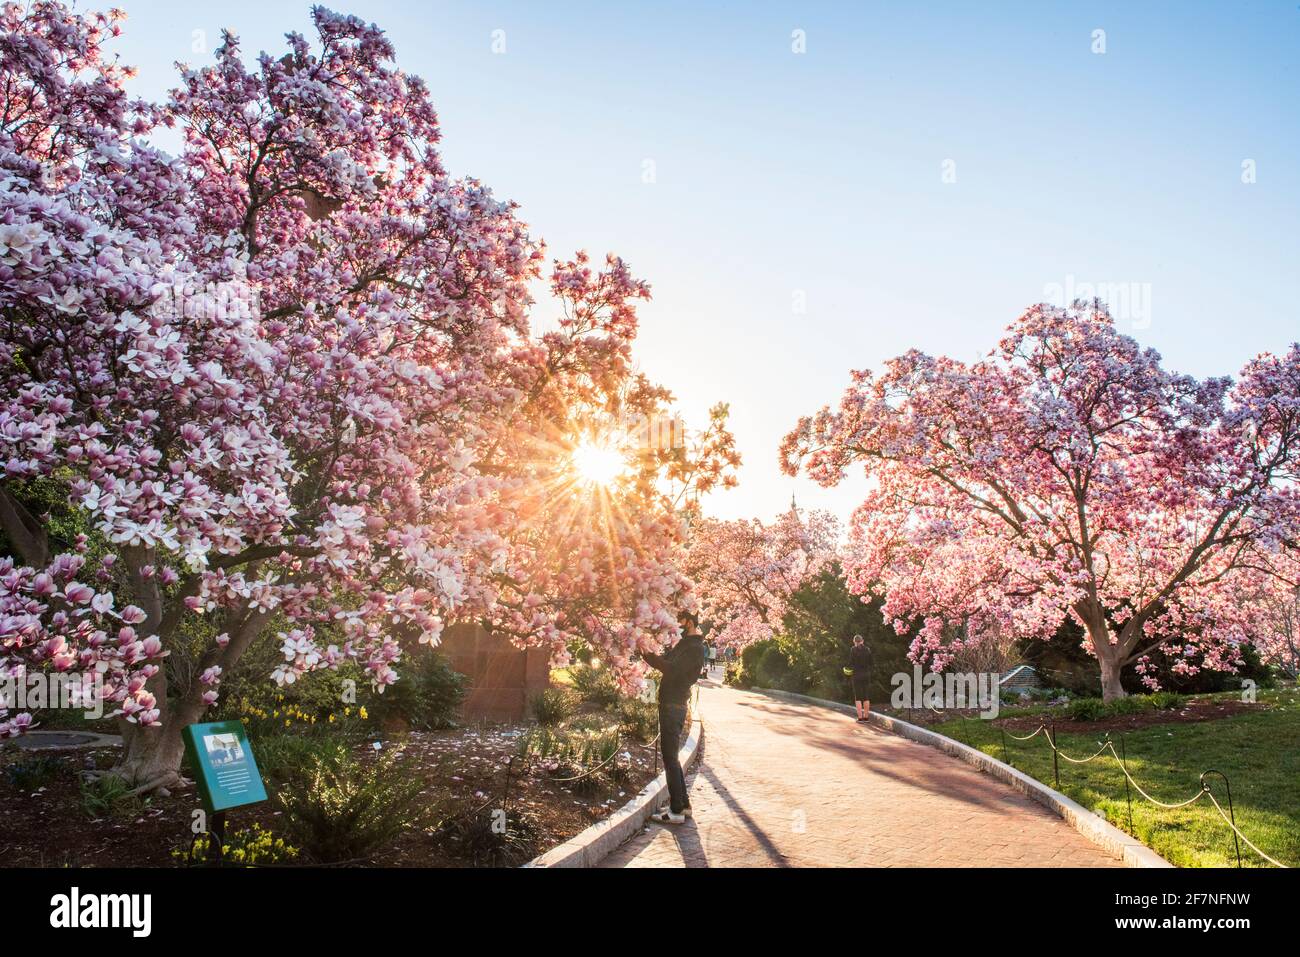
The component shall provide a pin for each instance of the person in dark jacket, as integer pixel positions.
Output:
(859, 671)
(680, 665)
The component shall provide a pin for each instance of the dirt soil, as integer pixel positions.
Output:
(1190, 713)
(465, 771)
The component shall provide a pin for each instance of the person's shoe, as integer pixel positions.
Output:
(687, 812)
(862, 720)
(666, 816)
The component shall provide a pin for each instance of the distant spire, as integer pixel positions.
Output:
(793, 506)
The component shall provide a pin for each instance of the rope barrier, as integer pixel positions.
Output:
(1090, 758)
(1028, 737)
(618, 747)
(1219, 808)
(1137, 787)
(1109, 745)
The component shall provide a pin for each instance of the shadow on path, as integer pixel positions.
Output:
(888, 755)
(751, 825)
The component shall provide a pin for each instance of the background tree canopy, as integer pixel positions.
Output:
(812, 648)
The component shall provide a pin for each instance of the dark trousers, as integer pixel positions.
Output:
(672, 722)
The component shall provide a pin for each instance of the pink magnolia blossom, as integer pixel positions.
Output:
(1068, 474)
(745, 571)
(289, 374)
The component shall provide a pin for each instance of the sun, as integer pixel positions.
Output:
(597, 464)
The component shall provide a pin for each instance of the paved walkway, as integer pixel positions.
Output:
(792, 785)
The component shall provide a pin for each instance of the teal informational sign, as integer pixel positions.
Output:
(225, 770)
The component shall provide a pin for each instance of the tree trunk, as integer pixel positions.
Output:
(25, 532)
(153, 752)
(151, 757)
(1109, 656)
(1111, 688)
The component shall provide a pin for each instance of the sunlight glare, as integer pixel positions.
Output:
(597, 464)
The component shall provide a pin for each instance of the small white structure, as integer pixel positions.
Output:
(1020, 678)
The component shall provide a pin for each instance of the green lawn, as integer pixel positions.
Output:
(1259, 752)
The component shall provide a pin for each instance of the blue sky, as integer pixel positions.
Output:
(817, 178)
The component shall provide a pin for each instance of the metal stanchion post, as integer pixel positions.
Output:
(1128, 793)
(1231, 813)
(1056, 763)
(659, 738)
(217, 839)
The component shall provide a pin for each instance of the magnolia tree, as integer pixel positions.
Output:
(600, 480)
(286, 385)
(1069, 474)
(745, 572)
(1281, 646)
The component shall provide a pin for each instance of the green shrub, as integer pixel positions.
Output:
(331, 702)
(816, 635)
(1034, 695)
(1095, 709)
(427, 694)
(584, 747)
(1042, 694)
(543, 741)
(495, 838)
(584, 723)
(587, 755)
(246, 847)
(595, 686)
(344, 809)
(774, 671)
(1167, 700)
(284, 756)
(317, 703)
(109, 796)
(552, 706)
(766, 664)
(594, 760)
(1086, 709)
(736, 676)
(597, 747)
(746, 674)
(1133, 704)
(35, 772)
(638, 719)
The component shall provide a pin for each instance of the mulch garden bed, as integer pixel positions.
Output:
(1191, 712)
(465, 770)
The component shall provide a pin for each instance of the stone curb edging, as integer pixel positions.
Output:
(1095, 828)
(39, 740)
(589, 847)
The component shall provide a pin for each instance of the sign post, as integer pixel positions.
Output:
(217, 838)
(225, 772)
